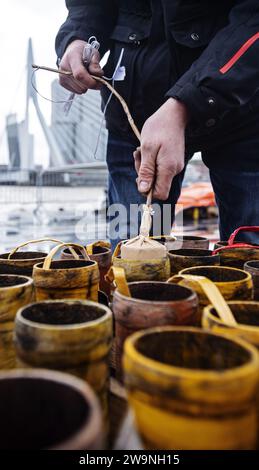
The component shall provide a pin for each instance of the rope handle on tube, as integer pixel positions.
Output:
(100, 243)
(246, 228)
(213, 294)
(117, 275)
(55, 250)
(117, 251)
(40, 240)
(233, 244)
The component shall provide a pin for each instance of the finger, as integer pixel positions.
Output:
(147, 167)
(80, 73)
(137, 159)
(80, 89)
(98, 85)
(95, 69)
(69, 84)
(94, 66)
(165, 172)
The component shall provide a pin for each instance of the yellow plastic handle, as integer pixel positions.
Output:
(213, 294)
(54, 251)
(117, 250)
(40, 240)
(100, 243)
(117, 275)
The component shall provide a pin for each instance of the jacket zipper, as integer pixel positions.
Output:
(239, 53)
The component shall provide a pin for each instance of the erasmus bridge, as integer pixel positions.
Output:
(67, 199)
(76, 142)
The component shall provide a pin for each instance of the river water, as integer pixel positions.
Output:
(67, 213)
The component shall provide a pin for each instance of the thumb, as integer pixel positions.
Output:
(146, 173)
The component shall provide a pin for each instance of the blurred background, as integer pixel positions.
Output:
(53, 175)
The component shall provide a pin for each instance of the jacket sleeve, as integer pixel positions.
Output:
(87, 18)
(226, 75)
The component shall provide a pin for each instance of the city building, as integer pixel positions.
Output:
(20, 144)
(81, 134)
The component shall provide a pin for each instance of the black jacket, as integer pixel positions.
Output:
(204, 53)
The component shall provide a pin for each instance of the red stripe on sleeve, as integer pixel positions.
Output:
(239, 53)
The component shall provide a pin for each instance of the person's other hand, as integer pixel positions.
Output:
(161, 154)
(72, 60)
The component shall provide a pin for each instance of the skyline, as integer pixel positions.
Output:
(19, 21)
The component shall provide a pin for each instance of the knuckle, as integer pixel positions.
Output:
(146, 146)
(83, 90)
(147, 123)
(146, 168)
(161, 194)
(95, 61)
(146, 172)
(179, 168)
(79, 75)
(70, 53)
(164, 196)
(63, 60)
(96, 56)
(66, 85)
(171, 167)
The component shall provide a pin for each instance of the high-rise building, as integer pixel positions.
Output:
(12, 130)
(81, 134)
(20, 144)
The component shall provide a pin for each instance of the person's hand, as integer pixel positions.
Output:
(72, 60)
(161, 154)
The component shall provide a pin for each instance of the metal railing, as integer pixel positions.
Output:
(50, 186)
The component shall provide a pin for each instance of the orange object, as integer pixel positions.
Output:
(196, 195)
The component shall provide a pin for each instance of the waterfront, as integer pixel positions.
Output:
(76, 212)
(66, 213)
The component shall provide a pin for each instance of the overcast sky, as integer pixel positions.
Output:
(19, 20)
